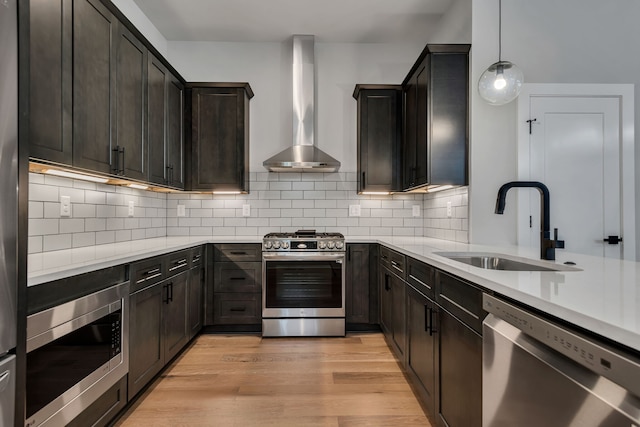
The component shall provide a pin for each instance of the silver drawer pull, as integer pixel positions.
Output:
(411, 276)
(146, 277)
(444, 297)
(179, 264)
(395, 265)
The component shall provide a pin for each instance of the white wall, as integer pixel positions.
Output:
(267, 68)
(572, 41)
(455, 24)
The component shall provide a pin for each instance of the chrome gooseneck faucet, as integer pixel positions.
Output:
(548, 246)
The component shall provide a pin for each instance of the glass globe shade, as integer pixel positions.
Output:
(500, 83)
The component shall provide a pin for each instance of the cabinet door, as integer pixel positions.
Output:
(410, 95)
(130, 150)
(157, 81)
(94, 71)
(176, 330)
(50, 79)
(146, 350)
(421, 341)
(175, 132)
(196, 300)
(449, 100)
(385, 301)
(398, 313)
(218, 139)
(460, 388)
(379, 137)
(357, 284)
(422, 120)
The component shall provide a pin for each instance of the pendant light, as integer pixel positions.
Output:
(502, 81)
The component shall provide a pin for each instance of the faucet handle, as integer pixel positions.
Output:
(558, 244)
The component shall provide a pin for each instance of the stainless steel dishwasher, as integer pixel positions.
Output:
(539, 373)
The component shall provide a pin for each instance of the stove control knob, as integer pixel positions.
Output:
(268, 244)
(339, 245)
(276, 245)
(285, 245)
(331, 244)
(322, 245)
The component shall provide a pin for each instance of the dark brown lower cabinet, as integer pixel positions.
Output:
(105, 408)
(146, 353)
(158, 328)
(460, 385)
(361, 284)
(422, 345)
(196, 300)
(393, 311)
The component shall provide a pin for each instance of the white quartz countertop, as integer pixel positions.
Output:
(603, 296)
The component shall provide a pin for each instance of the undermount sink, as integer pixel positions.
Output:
(496, 261)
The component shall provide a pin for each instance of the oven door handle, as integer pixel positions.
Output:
(306, 256)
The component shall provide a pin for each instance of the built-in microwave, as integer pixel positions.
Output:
(75, 352)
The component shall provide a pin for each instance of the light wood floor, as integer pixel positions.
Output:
(250, 381)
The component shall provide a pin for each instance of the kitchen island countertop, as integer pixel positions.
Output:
(603, 296)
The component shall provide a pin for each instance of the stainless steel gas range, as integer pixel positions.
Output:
(303, 284)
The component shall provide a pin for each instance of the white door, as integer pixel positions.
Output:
(575, 145)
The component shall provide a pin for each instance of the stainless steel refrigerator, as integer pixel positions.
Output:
(8, 206)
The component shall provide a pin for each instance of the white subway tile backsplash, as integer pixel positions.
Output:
(80, 240)
(56, 242)
(279, 202)
(71, 225)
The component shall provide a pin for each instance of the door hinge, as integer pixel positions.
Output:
(530, 221)
(530, 121)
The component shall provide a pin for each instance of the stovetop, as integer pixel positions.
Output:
(303, 241)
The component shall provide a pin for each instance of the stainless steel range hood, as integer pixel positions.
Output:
(304, 156)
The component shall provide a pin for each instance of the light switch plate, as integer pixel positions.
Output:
(415, 210)
(246, 210)
(131, 210)
(354, 210)
(181, 210)
(65, 206)
(449, 210)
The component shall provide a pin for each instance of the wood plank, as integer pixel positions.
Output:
(246, 380)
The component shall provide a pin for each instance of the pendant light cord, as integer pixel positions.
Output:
(499, 30)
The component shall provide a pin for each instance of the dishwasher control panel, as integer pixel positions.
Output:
(598, 357)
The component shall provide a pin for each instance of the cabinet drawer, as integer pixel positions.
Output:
(420, 275)
(385, 256)
(177, 262)
(461, 299)
(237, 309)
(146, 273)
(237, 252)
(397, 264)
(196, 255)
(237, 277)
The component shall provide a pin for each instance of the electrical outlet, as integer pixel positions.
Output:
(415, 210)
(246, 210)
(182, 210)
(354, 210)
(65, 206)
(131, 210)
(449, 210)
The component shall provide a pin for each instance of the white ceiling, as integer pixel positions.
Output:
(331, 21)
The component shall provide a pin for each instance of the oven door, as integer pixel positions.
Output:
(303, 284)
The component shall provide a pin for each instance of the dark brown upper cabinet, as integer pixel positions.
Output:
(50, 80)
(435, 111)
(165, 115)
(99, 98)
(94, 83)
(379, 137)
(218, 133)
(130, 151)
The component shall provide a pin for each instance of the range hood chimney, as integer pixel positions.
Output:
(304, 156)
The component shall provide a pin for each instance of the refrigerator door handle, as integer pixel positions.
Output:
(4, 380)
